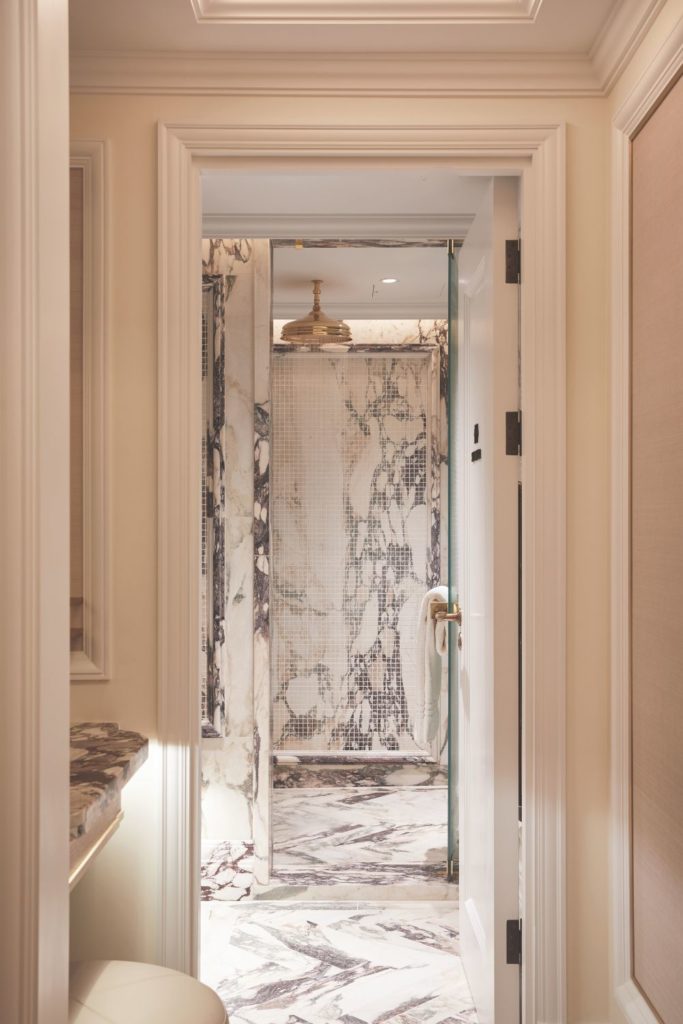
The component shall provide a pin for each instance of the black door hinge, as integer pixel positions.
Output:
(513, 943)
(513, 261)
(513, 433)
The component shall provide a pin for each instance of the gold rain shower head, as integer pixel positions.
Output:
(315, 328)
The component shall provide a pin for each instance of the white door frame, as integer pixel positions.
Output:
(537, 154)
(34, 511)
(651, 87)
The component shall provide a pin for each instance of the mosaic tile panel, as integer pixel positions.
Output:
(356, 527)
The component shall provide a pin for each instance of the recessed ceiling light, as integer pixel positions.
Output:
(389, 280)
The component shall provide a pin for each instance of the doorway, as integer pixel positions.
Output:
(351, 507)
(177, 144)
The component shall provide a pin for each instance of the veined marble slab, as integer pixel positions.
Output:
(388, 890)
(373, 773)
(308, 963)
(102, 759)
(227, 870)
(349, 843)
(332, 830)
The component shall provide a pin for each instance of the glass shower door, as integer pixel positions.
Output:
(453, 566)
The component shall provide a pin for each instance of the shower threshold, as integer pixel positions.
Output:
(351, 757)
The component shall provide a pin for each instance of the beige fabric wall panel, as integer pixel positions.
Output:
(657, 557)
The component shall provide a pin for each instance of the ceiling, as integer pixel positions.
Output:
(354, 47)
(472, 26)
(372, 205)
(352, 282)
(410, 203)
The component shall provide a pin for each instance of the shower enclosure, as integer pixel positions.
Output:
(325, 522)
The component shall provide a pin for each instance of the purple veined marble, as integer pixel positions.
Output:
(356, 699)
(314, 963)
(238, 708)
(215, 290)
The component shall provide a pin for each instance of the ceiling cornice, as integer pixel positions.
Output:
(620, 37)
(334, 74)
(370, 226)
(365, 12)
(371, 74)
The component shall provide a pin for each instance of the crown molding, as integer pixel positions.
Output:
(620, 37)
(431, 75)
(365, 12)
(312, 225)
(332, 74)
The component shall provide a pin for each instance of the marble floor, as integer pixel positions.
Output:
(336, 963)
(369, 835)
(328, 772)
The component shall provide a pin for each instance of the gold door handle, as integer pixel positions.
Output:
(451, 617)
(442, 613)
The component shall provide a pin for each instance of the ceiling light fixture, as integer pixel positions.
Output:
(316, 328)
(389, 280)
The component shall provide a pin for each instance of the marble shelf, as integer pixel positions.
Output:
(103, 759)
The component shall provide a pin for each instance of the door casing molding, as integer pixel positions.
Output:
(537, 154)
(34, 512)
(664, 69)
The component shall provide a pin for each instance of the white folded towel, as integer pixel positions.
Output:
(432, 646)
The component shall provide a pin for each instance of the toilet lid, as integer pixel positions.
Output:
(124, 992)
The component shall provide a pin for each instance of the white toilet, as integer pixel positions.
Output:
(124, 992)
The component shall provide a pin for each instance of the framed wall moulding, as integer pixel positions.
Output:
(652, 86)
(91, 651)
(536, 153)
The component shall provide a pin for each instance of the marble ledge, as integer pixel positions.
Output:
(103, 758)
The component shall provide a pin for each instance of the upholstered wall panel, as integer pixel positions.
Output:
(657, 557)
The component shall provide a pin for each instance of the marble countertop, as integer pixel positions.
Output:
(103, 759)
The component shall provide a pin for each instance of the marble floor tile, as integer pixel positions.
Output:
(389, 833)
(373, 774)
(227, 870)
(354, 840)
(321, 963)
(366, 886)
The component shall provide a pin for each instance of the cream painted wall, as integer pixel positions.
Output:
(113, 908)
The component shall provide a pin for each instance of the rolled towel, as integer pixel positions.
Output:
(432, 646)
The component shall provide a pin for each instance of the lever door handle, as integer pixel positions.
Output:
(453, 616)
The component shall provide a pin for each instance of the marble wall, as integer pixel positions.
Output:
(359, 454)
(230, 744)
(215, 289)
(237, 740)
